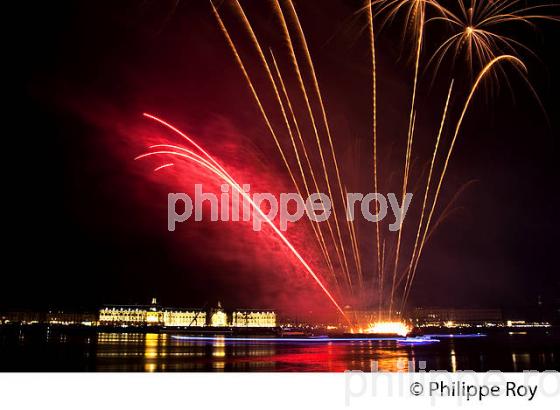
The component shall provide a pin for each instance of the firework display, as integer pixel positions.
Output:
(310, 159)
(340, 203)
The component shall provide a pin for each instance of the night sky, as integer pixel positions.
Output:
(87, 224)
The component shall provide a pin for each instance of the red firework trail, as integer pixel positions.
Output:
(163, 166)
(212, 165)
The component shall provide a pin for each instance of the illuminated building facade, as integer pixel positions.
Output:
(123, 316)
(184, 318)
(252, 318)
(218, 317)
(151, 315)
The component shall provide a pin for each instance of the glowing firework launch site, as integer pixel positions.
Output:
(344, 186)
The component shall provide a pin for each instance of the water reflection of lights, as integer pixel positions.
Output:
(523, 359)
(390, 361)
(154, 349)
(105, 338)
(219, 345)
(326, 340)
(453, 361)
(152, 344)
(456, 336)
(219, 352)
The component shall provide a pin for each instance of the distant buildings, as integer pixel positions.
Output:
(148, 316)
(184, 318)
(23, 317)
(70, 318)
(450, 318)
(487, 318)
(424, 317)
(51, 317)
(249, 318)
(155, 315)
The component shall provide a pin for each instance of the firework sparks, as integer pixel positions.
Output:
(316, 229)
(374, 125)
(307, 159)
(426, 193)
(208, 162)
(163, 166)
(476, 32)
(342, 260)
(414, 11)
(386, 328)
(484, 72)
(327, 128)
(255, 94)
(474, 26)
(408, 155)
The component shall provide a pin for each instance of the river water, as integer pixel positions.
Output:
(56, 350)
